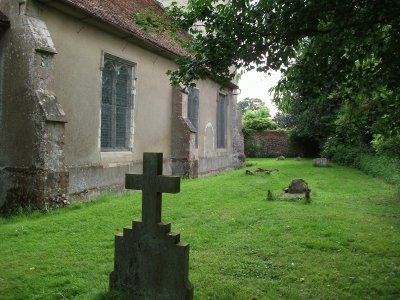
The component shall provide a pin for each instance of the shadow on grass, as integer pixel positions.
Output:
(112, 296)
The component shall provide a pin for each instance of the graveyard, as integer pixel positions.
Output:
(344, 244)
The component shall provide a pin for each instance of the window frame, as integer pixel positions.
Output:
(222, 97)
(196, 126)
(131, 103)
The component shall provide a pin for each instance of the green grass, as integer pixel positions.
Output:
(344, 245)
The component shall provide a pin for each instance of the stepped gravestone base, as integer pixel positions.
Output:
(151, 265)
(150, 262)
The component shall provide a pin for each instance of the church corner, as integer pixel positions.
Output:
(83, 95)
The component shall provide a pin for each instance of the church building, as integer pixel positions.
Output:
(84, 93)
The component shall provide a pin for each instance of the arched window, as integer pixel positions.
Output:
(221, 120)
(193, 110)
(116, 105)
(107, 104)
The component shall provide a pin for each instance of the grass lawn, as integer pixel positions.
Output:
(344, 245)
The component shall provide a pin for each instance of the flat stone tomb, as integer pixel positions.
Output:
(150, 262)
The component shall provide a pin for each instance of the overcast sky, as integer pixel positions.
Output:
(256, 85)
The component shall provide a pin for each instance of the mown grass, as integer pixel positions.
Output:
(344, 245)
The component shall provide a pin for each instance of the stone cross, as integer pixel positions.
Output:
(150, 261)
(153, 184)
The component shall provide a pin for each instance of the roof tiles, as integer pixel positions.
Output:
(120, 14)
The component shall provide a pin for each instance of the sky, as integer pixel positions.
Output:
(254, 84)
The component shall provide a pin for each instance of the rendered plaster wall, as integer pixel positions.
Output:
(211, 158)
(77, 75)
(80, 48)
(192, 161)
(78, 65)
(78, 85)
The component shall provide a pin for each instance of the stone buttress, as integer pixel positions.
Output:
(32, 122)
(184, 161)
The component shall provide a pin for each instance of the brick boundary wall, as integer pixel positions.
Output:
(272, 143)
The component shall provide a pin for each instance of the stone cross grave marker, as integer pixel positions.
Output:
(150, 262)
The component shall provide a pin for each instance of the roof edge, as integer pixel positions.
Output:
(146, 43)
(168, 52)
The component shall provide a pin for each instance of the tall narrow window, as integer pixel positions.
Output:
(116, 105)
(193, 110)
(221, 121)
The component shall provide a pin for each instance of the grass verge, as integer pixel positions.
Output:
(344, 245)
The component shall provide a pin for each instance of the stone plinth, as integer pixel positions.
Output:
(151, 265)
(150, 261)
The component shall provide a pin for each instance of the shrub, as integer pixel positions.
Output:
(258, 120)
(366, 160)
(381, 166)
(389, 146)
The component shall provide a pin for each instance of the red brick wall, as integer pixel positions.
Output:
(272, 143)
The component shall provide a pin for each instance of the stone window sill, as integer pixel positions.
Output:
(113, 159)
(222, 150)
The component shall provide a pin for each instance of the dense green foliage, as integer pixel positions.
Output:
(339, 60)
(255, 117)
(365, 159)
(345, 244)
(250, 104)
(257, 120)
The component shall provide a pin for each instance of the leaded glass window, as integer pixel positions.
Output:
(116, 105)
(221, 121)
(193, 110)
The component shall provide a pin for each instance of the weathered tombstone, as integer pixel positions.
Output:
(298, 189)
(321, 162)
(150, 262)
(298, 186)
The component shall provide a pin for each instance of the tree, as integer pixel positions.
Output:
(255, 116)
(257, 120)
(250, 104)
(339, 60)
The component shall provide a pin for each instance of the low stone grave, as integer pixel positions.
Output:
(321, 162)
(261, 171)
(297, 189)
(150, 261)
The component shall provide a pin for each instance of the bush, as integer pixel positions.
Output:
(366, 160)
(388, 146)
(257, 120)
(349, 156)
(342, 154)
(381, 166)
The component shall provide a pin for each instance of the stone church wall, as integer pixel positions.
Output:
(32, 165)
(81, 48)
(55, 158)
